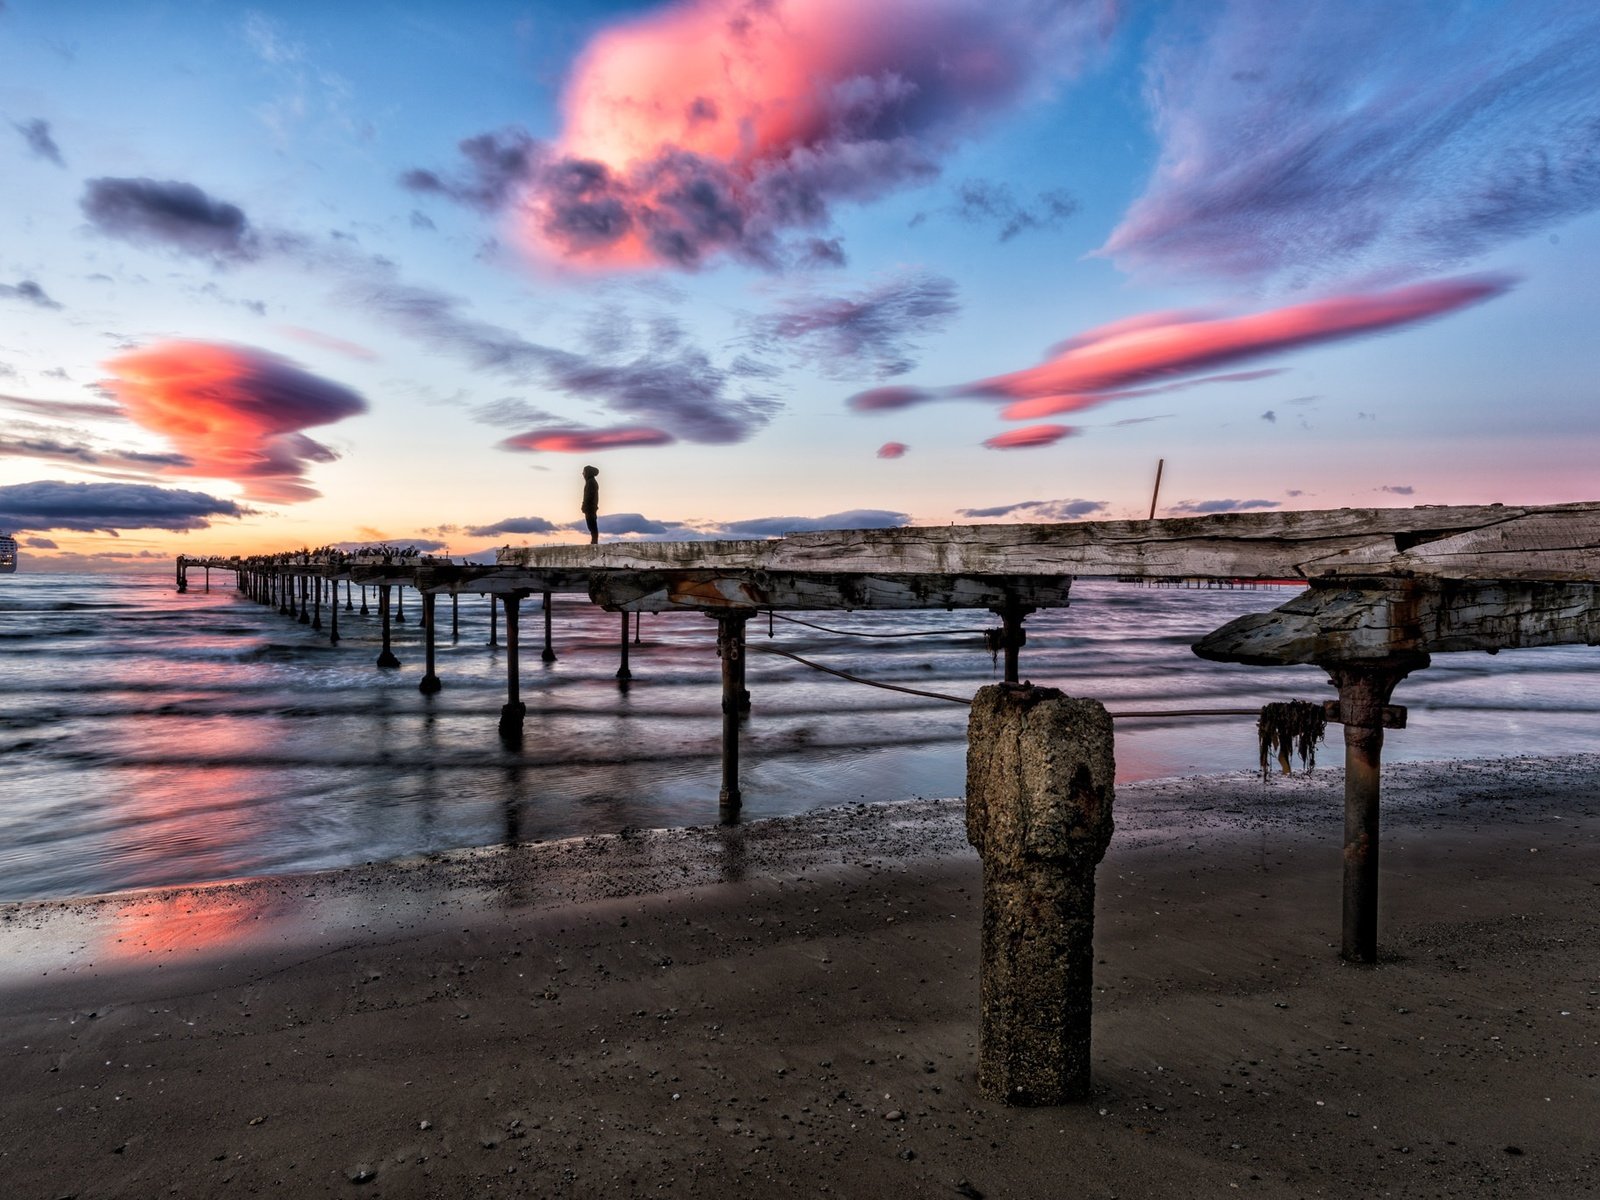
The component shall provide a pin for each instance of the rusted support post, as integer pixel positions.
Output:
(316, 603)
(1039, 797)
(1012, 637)
(637, 617)
(333, 616)
(623, 674)
(305, 616)
(285, 588)
(494, 620)
(429, 683)
(183, 578)
(363, 599)
(730, 649)
(349, 604)
(386, 658)
(455, 616)
(1364, 690)
(549, 654)
(514, 710)
(400, 604)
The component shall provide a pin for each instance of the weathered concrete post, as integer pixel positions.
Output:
(429, 683)
(623, 673)
(514, 710)
(1039, 796)
(730, 649)
(1364, 689)
(386, 658)
(549, 654)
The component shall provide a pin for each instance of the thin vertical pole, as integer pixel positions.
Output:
(637, 617)
(623, 674)
(316, 603)
(514, 710)
(494, 620)
(430, 680)
(349, 606)
(333, 616)
(305, 616)
(730, 648)
(363, 599)
(1160, 463)
(400, 604)
(455, 616)
(549, 654)
(386, 656)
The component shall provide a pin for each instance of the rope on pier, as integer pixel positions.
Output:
(894, 687)
(863, 633)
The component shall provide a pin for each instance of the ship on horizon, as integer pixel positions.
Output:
(8, 554)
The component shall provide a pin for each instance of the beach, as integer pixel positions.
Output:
(790, 1007)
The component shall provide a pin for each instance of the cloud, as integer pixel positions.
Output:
(871, 333)
(29, 291)
(324, 341)
(855, 518)
(50, 504)
(50, 448)
(1038, 510)
(39, 543)
(979, 202)
(1351, 140)
(236, 412)
(42, 145)
(1108, 363)
(62, 408)
(169, 214)
(586, 441)
(727, 126)
(1270, 416)
(1029, 436)
(514, 525)
(678, 389)
(893, 450)
(1203, 507)
(1398, 489)
(497, 165)
(511, 412)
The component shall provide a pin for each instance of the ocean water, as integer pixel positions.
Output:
(148, 738)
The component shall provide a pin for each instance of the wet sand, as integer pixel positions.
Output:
(790, 1007)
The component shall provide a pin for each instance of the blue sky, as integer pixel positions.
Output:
(293, 273)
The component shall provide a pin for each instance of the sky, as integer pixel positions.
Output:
(296, 274)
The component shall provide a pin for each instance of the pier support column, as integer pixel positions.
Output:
(637, 617)
(623, 673)
(333, 616)
(349, 605)
(284, 586)
(494, 620)
(400, 604)
(183, 578)
(363, 599)
(305, 615)
(430, 681)
(549, 653)
(208, 581)
(455, 616)
(386, 658)
(730, 649)
(1012, 637)
(1039, 796)
(1364, 690)
(514, 710)
(316, 603)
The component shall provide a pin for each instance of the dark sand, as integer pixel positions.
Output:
(790, 1007)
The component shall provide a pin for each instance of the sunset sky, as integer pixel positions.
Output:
(293, 274)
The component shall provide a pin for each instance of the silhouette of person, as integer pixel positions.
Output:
(591, 502)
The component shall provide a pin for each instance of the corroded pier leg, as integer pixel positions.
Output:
(1364, 689)
(316, 603)
(363, 599)
(183, 578)
(1012, 636)
(305, 615)
(455, 616)
(514, 709)
(285, 588)
(637, 617)
(730, 649)
(430, 680)
(1039, 798)
(349, 605)
(333, 616)
(494, 620)
(400, 604)
(623, 673)
(549, 653)
(386, 658)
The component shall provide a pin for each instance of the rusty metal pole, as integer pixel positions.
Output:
(455, 616)
(386, 658)
(333, 616)
(1012, 636)
(1364, 689)
(514, 710)
(623, 674)
(429, 683)
(400, 604)
(316, 603)
(364, 600)
(494, 620)
(305, 590)
(637, 618)
(285, 589)
(349, 604)
(549, 654)
(730, 649)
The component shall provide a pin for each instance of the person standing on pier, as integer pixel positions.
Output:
(591, 503)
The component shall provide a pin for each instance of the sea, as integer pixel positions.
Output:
(149, 738)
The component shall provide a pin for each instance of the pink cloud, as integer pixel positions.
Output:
(325, 341)
(584, 441)
(1029, 436)
(718, 125)
(234, 412)
(893, 450)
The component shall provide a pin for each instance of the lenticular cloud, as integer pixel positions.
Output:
(235, 412)
(721, 125)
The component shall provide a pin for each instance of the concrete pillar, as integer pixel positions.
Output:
(1364, 690)
(386, 658)
(430, 680)
(514, 710)
(549, 653)
(1039, 795)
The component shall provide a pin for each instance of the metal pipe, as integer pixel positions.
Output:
(429, 683)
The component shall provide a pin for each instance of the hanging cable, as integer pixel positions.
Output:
(863, 633)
